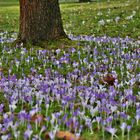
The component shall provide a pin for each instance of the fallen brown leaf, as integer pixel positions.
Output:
(47, 137)
(77, 105)
(1, 69)
(109, 79)
(65, 135)
(37, 117)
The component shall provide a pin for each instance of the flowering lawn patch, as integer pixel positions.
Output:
(90, 89)
(98, 18)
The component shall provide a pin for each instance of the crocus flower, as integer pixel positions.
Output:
(128, 131)
(28, 132)
(123, 127)
(112, 131)
(4, 137)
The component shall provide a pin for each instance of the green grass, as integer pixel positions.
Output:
(78, 19)
(84, 18)
(9, 15)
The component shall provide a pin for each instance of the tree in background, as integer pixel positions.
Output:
(84, 0)
(40, 20)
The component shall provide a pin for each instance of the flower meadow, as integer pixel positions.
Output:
(91, 88)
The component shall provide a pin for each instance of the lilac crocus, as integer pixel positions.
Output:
(112, 131)
(123, 127)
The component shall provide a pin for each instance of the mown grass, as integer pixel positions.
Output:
(119, 18)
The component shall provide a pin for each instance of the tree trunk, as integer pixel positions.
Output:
(84, 0)
(40, 20)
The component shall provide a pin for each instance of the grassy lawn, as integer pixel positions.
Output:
(114, 18)
(88, 87)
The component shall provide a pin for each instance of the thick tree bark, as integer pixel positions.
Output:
(40, 20)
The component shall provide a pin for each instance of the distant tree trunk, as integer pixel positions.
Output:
(84, 0)
(40, 20)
